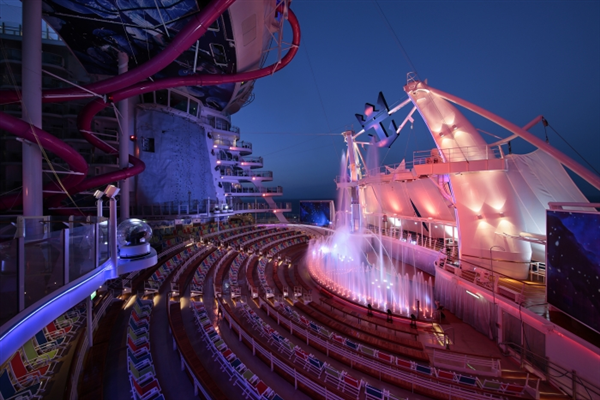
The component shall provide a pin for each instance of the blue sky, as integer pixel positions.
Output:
(517, 59)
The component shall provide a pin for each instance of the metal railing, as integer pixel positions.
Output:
(568, 381)
(435, 156)
(245, 173)
(261, 206)
(357, 359)
(251, 160)
(7, 28)
(218, 141)
(457, 154)
(275, 189)
(39, 255)
(74, 378)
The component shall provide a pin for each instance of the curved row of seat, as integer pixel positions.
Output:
(158, 277)
(26, 374)
(251, 385)
(140, 366)
(201, 379)
(412, 374)
(442, 375)
(197, 288)
(369, 360)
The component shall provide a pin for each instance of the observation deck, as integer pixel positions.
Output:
(426, 163)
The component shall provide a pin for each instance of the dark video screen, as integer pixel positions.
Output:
(317, 213)
(573, 265)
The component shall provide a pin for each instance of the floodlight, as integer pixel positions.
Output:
(111, 191)
(98, 194)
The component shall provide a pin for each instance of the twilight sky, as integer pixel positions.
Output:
(516, 59)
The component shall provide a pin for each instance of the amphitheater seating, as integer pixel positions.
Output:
(27, 371)
(11, 390)
(142, 376)
(249, 382)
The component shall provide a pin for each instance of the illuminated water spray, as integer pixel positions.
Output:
(353, 263)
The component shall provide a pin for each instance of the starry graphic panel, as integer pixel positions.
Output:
(573, 265)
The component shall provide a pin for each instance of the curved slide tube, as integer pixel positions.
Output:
(193, 31)
(87, 114)
(75, 161)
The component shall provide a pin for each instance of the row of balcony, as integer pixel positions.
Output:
(11, 54)
(245, 174)
(58, 109)
(226, 158)
(189, 105)
(261, 191)
(7, 28)
(202, 207)
(15, 80)
(233, 145)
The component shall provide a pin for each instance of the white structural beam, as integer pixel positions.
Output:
(568, 162)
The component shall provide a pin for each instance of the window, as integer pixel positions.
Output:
(148, 97)
(218, 53)
(179, 102)
(162, 97)
(147, 144)
(215, 26)
(193, 108)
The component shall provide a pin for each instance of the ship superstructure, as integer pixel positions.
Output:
(171, 133)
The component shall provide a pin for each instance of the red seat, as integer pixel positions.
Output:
(135, 348)
(23, 376)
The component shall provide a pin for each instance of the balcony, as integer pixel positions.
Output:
(252, 162)
(254, 191)
(17, 30)
(231, 175)
(232, 145)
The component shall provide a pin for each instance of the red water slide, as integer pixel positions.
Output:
(116, 90)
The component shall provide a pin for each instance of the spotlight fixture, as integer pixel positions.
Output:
(111, 191)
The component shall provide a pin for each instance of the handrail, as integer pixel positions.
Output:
(444, 388)
(84, 344)
(577, 383)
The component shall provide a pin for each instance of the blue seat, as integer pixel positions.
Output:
(423, 369)
(317, 363)
(352, 345)
(467, 380)
(373, 392)
(7, 389)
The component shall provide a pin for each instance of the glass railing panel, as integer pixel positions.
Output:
(44, 267)
(9, 283)
(81, 251)
(103, 252)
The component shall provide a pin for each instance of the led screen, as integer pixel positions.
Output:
(316, 212)
(573, 265)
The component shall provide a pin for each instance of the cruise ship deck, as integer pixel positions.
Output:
(144, 256)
